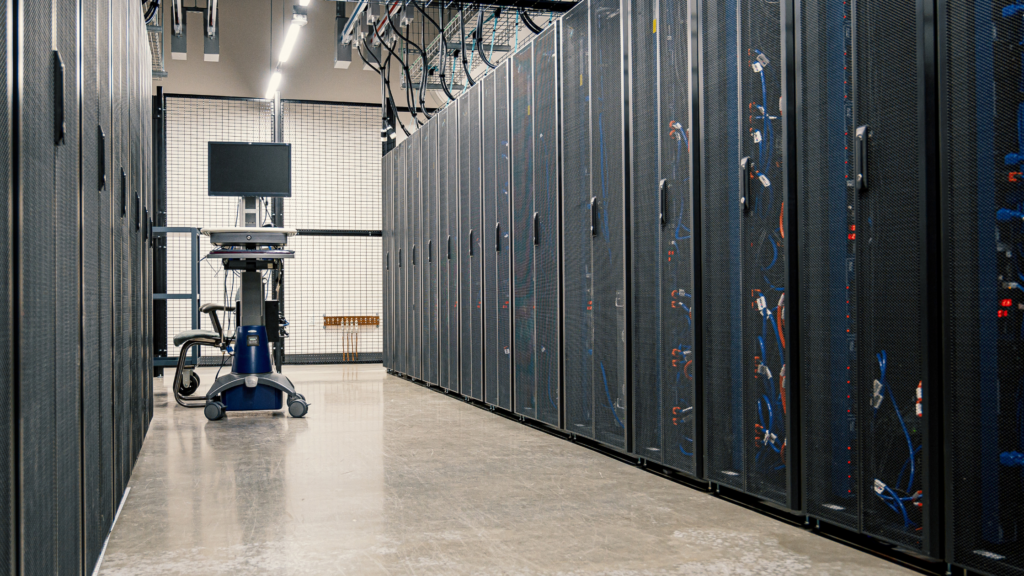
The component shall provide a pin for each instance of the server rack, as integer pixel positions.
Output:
(471, 255)
(453, 248)
(593, 224)
(664, 237)
(867, 215)
(496, 248)
(386, 227)
(445, 322)
(746, 250)
(415, 209)
(535, 234)
(430, 252)
(979, 57)
(401, 230)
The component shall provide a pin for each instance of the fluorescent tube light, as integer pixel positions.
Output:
(275, 81)
(289, 42)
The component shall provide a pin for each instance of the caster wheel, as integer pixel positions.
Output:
(214, 411)
(298, 408)
(193, 385)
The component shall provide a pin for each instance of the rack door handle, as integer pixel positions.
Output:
(430, 251)
(663, 201)
(860, 153)
(124, 194)
(448, 248)
(399, 257)
(60, 127)
(470, 242)
(102, 184)
(593, 216)
(387, 261)
(413, 262)
(497, 237)
(536, 228)
(745, 175)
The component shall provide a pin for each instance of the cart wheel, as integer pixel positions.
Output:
(193, 385)
(298, 408)
(214, 411)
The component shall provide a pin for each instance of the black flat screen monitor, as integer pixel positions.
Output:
(250, 169)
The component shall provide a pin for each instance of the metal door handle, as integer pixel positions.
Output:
(663, 201)
(413, 255)
(124, 194)
(593, 216)
(860, 153)
(745, 175)
(399, 257)
(497, 237)
(448, 248)
(59, 123)
(430, 251)
(471, 242)
(103, 159)
(387, 261)
(536, 228)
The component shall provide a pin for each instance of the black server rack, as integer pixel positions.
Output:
(867, 215)
(535, 233)
(593, 224)
(386, 272)
(8, 528)
(414, 208)
(471, 246)
(452, 245)
(980, 122)
(746, 253)
(429, 255)
(497, 248)
(664, 237)
(402, 298)
(443, 255)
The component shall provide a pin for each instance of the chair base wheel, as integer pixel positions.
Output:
(298, 408)
(214, 411)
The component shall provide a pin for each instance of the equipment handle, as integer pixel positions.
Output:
(497, 237)
(387, 261)
(663, 201)
(471, 242)
(536, 228)
(745, 175)
(593, 216)
(430, 251)
(145, 233)
(138, 210)
(103, 160)
(124, 194)
(448, 248)
(413, 254)
(399, 257)
(60, 127)
(860, 158)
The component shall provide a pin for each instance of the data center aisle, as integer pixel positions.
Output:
(386, 477)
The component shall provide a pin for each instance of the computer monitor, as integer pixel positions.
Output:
(249, 169)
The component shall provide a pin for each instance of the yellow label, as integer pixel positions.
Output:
(655, 31)
(581, 79)
(527, 109)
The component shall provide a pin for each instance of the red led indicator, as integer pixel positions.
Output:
(851, 236)
(1006, 302)
(1004, 313)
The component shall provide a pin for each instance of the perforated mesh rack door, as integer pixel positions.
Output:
(454, 285)
(490, 158)
(661, 206)
(503, 291)
(385, 183)
(402, 233)
(8, 463)
(430, 252)
(476, 208)
(546, 204)
(523, 234)
(415, 208)
(576, 261)
(982, 162)
(444, 183)
(466, 173)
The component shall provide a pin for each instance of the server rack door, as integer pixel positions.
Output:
(503, 246)
(414, 163)
(491, 241)
(476, 207)
(441, 251)
(593, 226)
(576, 262)
(430, 251)
(744, 249)
(386, 256)
(866, 386)
(127, 268)
(401, 210)
(454, 251)
(547, 198)
(981, 110)
(470, 215)
(36, 338)
(67, 284)
(524, 234)
(663, 233)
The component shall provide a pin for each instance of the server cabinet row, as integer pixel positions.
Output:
(75, 292)
(770, 245)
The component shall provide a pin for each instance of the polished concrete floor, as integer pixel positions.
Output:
(385, 477)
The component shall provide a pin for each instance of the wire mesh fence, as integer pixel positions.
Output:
(335, 191)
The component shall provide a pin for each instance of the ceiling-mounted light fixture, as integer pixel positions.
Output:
(275, 82)
(303, 2)
(298, 21)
